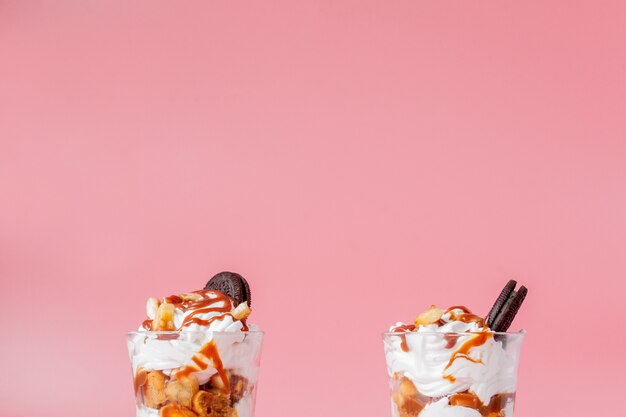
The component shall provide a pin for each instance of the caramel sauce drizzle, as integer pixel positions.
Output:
(478, 340)
(466, 399)
(466, 317)
(211, 302)
(451, 338)
(209, 351)
(403, 328)
(496, 404)
(463, 352)
(450, 378)
(403, 344)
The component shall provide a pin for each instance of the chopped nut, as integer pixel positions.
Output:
(212, 404)
(181, 391)
(238, 385)
(154, 389)
(191, 296)
(430, 316)
(164, 319)
(201, 403)
(242, 311)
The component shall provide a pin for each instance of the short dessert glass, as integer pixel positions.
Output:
(195, 373)
(452, 374)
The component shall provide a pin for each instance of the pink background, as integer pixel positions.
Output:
(356, 160)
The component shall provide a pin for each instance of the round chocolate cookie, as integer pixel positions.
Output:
(506, 315)
(232, 284)
(499, 304)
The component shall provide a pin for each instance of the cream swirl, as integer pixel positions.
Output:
(210, 337)
(441, 408)
(198, 310)
(452, 356)
(236, 351)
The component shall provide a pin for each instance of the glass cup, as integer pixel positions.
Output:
(195, 373)
(452, 374)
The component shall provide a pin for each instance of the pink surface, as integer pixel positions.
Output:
(356, 160)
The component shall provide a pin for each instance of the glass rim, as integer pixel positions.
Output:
(190, 332)
(518, 333)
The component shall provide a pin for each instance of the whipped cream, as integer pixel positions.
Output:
(236, 351)
(197, 311)
(441, 408)
(450, 356)
(209, 339)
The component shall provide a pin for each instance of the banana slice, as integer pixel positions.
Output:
(152, 306)
(212, 404)
(430, 316)
(154, 389)
(218, 383)
(242, 311)
(182, 391)
(164, 319)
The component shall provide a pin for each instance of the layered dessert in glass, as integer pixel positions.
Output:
(453, 363)
(196, 354)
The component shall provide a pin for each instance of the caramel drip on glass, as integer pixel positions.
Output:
(451, 338)
(403, 328)
(450, 378)
(209, 351)
(468, 399)
(463, 352)
(466, 317)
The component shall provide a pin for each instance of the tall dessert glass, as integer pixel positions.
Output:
(195, 373)
(437, 374)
